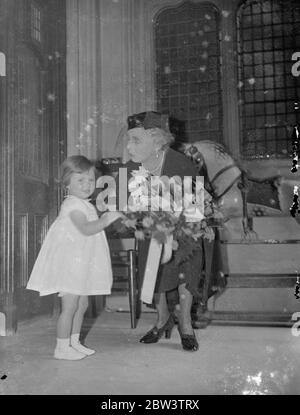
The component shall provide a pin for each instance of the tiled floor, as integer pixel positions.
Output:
(230, 360)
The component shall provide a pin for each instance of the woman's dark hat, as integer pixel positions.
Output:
(149, 119)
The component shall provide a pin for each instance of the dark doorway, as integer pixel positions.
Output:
(33, 140)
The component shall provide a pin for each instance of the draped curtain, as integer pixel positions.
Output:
(82, 77)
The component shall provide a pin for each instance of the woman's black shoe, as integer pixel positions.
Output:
(189, 341)
(156, 333)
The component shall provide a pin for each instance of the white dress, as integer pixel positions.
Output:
(69, 261)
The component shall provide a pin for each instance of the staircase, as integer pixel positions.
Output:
(261, 274)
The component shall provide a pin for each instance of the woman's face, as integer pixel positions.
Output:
(140, 145)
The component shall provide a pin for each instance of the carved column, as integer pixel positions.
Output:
(7, 306)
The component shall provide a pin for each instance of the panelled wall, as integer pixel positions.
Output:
(33, 143)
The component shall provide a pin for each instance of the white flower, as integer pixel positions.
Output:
(138, 202)
(130, 223)
(137, 182)
(140, 172)
(136, 191)
(193, 214)
(177, 209)
(147, 222)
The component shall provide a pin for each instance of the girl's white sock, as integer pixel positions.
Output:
(74, 338)
(63, 344)
(79, 347)
(64, 351)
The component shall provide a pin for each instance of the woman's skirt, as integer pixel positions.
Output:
(205, 262)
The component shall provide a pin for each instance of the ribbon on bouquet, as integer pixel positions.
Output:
(158, 253)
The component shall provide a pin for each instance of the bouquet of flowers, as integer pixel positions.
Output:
(154, 213)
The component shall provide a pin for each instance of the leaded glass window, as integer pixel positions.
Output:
(188, 69)
(268, 34)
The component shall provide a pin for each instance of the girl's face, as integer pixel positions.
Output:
(82, 185)
(140, 146)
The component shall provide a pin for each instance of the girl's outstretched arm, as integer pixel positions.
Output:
(88, 228)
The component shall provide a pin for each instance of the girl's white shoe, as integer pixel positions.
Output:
(68, 353)
(82, 349)
(78, 346)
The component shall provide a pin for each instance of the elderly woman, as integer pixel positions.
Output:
(148, 145)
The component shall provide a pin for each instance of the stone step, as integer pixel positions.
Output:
(261, 280)
(267, 228)
(259, 300)
(251, 319)
(255, 258)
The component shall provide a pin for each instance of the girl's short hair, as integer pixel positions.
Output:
(74, 164)
(162, 137)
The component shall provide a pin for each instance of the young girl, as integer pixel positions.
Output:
(74, 260)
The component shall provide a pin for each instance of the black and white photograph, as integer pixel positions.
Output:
(149, 211)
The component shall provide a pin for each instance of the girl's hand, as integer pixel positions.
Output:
(110, 217)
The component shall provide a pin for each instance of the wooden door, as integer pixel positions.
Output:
(34, 105)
